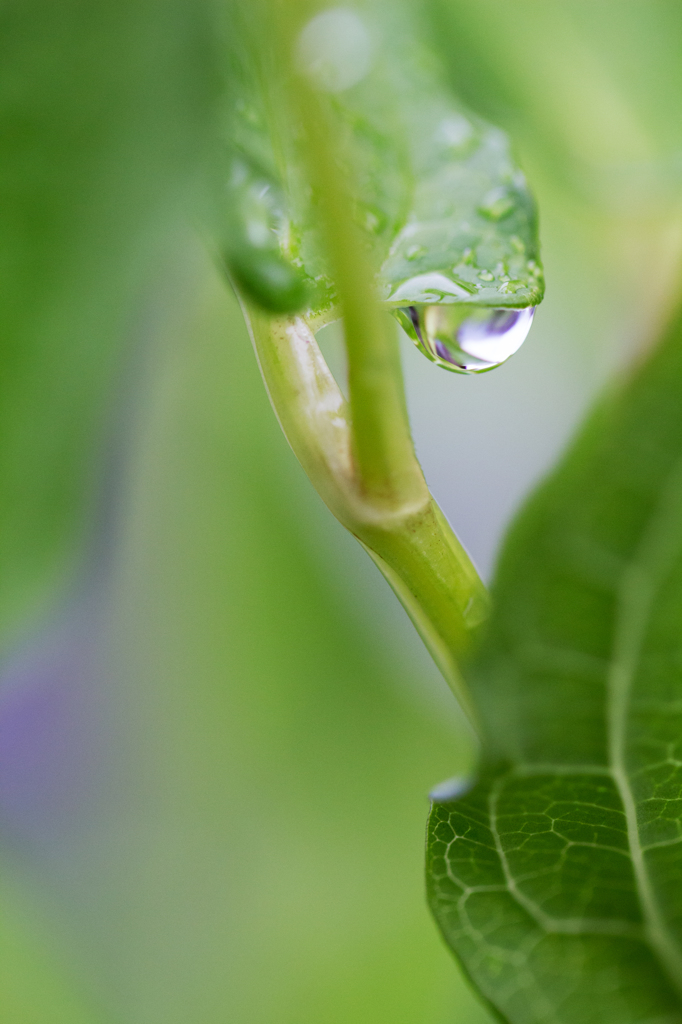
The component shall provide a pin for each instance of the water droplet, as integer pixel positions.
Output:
(465, 339)
(433, 287)
(335, 49)
(415, 252)
(372, 219)
(454, 131)
(497, 204)
(258, 233)
(451, 789)
(485, 275)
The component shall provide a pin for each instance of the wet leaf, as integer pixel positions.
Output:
(445, 212)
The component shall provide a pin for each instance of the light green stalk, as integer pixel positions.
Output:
(359, 454)
(407, 535)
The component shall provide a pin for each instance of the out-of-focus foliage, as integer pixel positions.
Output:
(592, 88)
(262, 814)
(105, 114)
(33, 986)
(271, 866)
(272, 875)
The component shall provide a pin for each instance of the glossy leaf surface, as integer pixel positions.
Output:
(445, 212)
(557, 877)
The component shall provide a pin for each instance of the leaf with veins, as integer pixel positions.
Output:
(558, 878)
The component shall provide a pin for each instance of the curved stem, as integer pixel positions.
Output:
(382, 448)
(407, 536)
(359, 454)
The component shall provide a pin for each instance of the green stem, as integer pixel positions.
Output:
(383, 452)
(410, 541)
(359, 454)
(381, 443)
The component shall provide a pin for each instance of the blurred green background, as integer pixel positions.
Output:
(217, 729)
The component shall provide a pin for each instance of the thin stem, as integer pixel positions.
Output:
(360, 455)
(383, 452)
(412, 543)
(381, 442)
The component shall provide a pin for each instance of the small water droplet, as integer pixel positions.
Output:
(497, 204)
(372, 219)
(465, 339)
(451, 789)
(466, 277)
(415, 252)
(258, 233)
(454, 131)
(334, 49)
(485, 275)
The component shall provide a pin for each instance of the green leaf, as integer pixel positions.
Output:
(557, 878)
(445, 213)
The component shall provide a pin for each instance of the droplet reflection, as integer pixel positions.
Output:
(463, 339)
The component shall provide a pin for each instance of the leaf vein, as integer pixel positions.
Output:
(642, 578)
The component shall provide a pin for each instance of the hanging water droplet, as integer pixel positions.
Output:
(463, 339)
